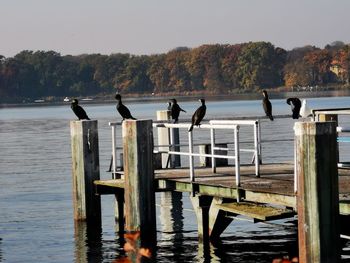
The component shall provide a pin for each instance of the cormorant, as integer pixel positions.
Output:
(267, 105)
(79, 111)
(175, 110)
(122, 109)
(198, 115)
(295, 105)
(305, 110)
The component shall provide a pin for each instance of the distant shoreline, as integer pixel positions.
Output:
(208, 97)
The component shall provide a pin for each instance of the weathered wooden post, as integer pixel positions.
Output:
(330, 117)
(140, 212)
(318, 194)
(85, 170)
(166, 137)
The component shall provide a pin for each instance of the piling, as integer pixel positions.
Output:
(317, 192)
(168, 137)
(85, 170)
(140, 213)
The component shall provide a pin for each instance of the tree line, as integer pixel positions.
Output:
(209, 69)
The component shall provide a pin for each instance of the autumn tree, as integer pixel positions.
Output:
(260, 65)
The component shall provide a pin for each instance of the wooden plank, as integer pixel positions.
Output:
(257, 211)
(117, 183)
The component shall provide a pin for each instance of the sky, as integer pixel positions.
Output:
(144, 27)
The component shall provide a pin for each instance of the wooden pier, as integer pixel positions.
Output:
(322, 195)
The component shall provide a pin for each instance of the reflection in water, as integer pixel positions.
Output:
(171, 220)
(88, 242)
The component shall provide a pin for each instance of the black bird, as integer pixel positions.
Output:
(175, 110)
(122, 109)
(295, 105)
(79, 111)
(198, 115)
(267, 105)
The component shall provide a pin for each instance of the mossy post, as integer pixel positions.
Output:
(140, 209)
(317, 192)
(85, 170)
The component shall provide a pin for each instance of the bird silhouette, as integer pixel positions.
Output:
(267, 105)
(122, 109)
(78, 110)
(198, 115)
(295, 105)
(175, 110)
(305, 110)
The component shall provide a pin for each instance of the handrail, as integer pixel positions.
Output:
(212, 126)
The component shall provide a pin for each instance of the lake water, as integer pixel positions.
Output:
(36, 214)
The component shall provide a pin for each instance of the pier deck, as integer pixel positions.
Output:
(275, 185)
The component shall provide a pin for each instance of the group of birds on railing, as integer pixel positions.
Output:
(298, 108)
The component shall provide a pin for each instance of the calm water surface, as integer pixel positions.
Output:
(36, 218)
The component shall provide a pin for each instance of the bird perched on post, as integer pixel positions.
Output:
(175, 110)
(122, 109)
(198, 115)
(305, 111)
(295, 105)
(78, 110)
(267, 105)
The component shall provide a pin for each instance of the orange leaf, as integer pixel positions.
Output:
(145, 252)
(128, 247)
(132, 236)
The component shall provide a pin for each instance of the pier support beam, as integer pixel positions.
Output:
(167, 137)
(211, 220)
(85, 170)
(318, 193)
(201, 205)
(218, 221)
(140, 213)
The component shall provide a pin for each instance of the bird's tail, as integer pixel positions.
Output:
(191, 128)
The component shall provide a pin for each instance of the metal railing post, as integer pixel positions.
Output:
(259, 142)
(114, 152)
(237, 161)
(212, 142)
(190, 150)
(256, 150)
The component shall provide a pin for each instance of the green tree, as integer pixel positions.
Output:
(260, 65)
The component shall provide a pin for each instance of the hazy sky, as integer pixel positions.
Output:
(157, 26)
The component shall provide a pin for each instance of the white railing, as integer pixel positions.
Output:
(114, 147)
(212, 126)
(343, 139)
